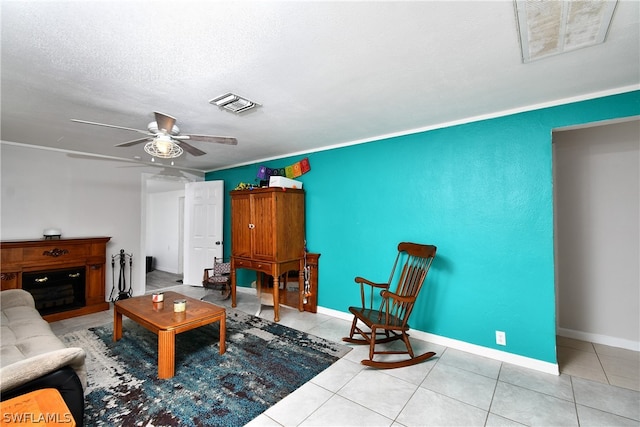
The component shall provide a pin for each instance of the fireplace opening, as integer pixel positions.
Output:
(56, 290)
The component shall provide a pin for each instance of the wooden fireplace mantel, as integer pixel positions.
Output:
(24, 256)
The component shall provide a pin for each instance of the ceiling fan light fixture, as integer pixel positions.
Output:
(163, 147)
(164, 143)
(234, 103)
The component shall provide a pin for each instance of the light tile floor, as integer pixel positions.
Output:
(598, 385)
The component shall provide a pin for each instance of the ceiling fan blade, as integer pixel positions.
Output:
(109, 126)
(134, 142)
(191, 149)
(217, 139)
(164, 121)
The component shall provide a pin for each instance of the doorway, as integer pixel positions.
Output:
(597, 216)
(163, 230)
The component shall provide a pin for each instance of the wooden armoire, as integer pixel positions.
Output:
(268, 236)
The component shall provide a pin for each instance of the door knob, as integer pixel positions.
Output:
(252, 226)
(218, 242)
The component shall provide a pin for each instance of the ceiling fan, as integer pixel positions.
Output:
(163, 137)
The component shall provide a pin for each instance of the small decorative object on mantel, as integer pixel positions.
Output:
(124, 291)
(52, 233)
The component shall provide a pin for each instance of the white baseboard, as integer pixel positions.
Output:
(503, 356)
(599, 339)
(335, 313)
(491, 353)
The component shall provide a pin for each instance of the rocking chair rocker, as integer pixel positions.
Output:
(390, 322)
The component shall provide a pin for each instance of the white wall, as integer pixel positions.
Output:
(80, 195)
(597, 191)
(163, 231)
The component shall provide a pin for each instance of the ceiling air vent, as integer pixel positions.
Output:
(550, 28)
(234, 103)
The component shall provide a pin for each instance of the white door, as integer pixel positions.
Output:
(203, 208)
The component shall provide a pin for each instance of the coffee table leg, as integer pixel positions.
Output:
(223, 333)
(117, 324)
(166, 354)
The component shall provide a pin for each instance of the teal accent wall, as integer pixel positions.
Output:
(481, 192)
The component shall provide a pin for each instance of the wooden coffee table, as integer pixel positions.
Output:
(164, 322)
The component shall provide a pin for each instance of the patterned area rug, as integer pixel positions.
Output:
(263, 363)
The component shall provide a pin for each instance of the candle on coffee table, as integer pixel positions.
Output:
(179, 305)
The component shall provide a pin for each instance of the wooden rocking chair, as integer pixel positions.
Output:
(390, 322)
(218, 279)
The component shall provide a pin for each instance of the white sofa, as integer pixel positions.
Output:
(32, 357)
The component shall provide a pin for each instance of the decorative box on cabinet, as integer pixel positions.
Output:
(29, 256)
(267, 236)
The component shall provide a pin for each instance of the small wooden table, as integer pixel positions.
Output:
(275, 270)
(43, 408)
(164, 322)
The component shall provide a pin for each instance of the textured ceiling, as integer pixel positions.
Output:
(325, 73)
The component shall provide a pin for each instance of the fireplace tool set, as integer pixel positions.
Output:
(124, 291)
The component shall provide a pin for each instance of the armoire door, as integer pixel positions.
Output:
(241, 225)
(264, 212)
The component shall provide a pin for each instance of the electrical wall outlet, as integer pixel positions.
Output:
(501, 338)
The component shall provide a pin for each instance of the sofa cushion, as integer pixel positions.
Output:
(29, 348)
(16, 298)
(26, 370)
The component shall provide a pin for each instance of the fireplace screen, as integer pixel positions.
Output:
(56, 290)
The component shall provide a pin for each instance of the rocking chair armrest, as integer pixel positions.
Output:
(388, 294)
(206, 275)
(368, 302)
(362, 280)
